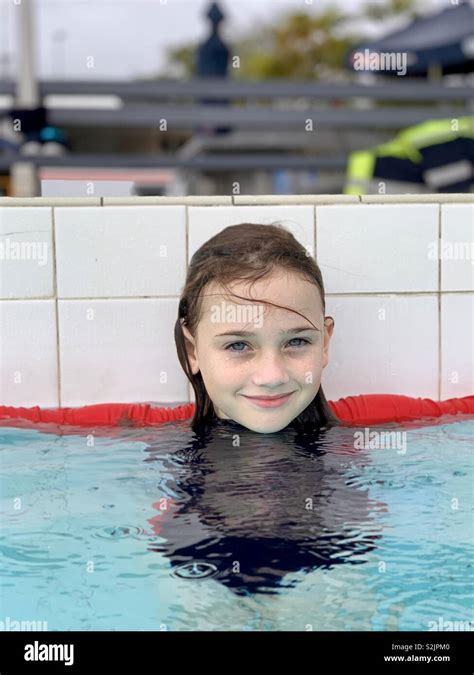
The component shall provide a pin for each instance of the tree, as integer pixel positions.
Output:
(299, 46)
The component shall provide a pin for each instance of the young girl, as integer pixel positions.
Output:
(251, 333)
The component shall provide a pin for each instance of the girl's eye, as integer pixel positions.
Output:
(234, 343)
(302, 340)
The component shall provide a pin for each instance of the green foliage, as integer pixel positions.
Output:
(299, 46)
(379, 11)
(182, 59)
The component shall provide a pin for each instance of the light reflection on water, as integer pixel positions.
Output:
(235, 530)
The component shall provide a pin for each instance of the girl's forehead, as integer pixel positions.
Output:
(245, 316)
(278, 302)
(290, 290)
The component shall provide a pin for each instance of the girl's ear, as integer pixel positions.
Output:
(328, 330)
(190, 345)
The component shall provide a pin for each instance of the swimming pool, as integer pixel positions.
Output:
(159, 529)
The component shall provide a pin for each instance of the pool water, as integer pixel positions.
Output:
(162, 529)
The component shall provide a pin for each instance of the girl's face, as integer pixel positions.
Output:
(272, 357)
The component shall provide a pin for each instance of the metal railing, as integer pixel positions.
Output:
(271, 105)
(235, 89)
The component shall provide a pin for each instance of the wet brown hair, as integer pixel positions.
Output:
(244, 252)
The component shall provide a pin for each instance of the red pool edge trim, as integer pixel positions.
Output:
(356, 410)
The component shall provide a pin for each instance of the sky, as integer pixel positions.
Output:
(129, 38)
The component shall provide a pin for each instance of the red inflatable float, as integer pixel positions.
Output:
(352, 410)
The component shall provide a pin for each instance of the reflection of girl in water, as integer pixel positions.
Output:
(260, 506)
(251, 327)
(253, 339)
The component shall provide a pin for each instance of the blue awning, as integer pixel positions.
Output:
(445, 39)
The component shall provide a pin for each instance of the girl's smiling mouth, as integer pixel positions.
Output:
(269, 401)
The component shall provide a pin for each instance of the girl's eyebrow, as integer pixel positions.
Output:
(245, 333)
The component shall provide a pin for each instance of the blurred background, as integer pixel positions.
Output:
(177, 97)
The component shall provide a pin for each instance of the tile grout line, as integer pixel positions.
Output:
(315, 235)
(342, 294)
(440, 323)
(186, 262)
(411, 198)
(56, 308)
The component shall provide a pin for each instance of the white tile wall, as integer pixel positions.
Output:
(119, 351)
(29, 232)
(117, 297)
(28, 355)
(457, 345)
(386, 344)
(205, 222)
(376, 249)
(120, 251)
(457, 230)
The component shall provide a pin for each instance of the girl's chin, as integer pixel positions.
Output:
(265, 428)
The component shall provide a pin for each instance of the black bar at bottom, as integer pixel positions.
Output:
(87, 652)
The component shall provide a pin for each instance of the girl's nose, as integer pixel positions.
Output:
(270, 370)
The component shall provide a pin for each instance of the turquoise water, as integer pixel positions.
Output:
(160, 529)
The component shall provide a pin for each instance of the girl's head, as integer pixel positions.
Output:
(251, 323)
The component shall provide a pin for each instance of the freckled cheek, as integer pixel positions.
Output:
(221, 369)
(233, 370)
(310, 368)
